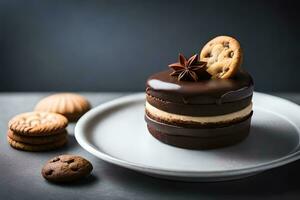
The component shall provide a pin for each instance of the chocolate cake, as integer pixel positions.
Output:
(192, 106)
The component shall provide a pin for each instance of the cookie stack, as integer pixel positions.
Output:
(37, 131)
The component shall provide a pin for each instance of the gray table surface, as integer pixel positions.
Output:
(20, 171)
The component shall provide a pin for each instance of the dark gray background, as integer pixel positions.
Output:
(115, 45)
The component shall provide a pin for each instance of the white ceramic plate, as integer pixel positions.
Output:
(116, 132)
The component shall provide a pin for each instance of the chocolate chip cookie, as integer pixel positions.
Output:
(223, 56)
(65, 168)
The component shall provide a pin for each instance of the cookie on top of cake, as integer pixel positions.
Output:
(202, 102)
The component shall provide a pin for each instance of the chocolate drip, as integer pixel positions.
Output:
(212, 91)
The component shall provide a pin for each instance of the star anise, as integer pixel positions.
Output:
(187, 69)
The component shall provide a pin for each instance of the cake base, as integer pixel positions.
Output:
(199, 138)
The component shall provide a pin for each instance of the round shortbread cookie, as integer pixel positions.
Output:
(41, 147)
(38, 123)
(72, 106)
(66, 168)
(37, 140)
(223, 56)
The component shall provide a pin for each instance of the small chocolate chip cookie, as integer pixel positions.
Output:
(66, 168)
(223, 56)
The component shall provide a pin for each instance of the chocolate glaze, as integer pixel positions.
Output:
(200, 138)
(199, 109)
(211, 91)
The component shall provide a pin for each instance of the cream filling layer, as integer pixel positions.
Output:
(155, 112)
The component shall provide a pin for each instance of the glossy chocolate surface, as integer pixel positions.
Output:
(210, 91)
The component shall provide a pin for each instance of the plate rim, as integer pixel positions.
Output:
(79, 135)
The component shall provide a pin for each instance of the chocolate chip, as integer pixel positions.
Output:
(55, 159)
(226, 44)
(208, 55)
(74, 167)
(231, 54)
(49, 172)
(70, 161)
